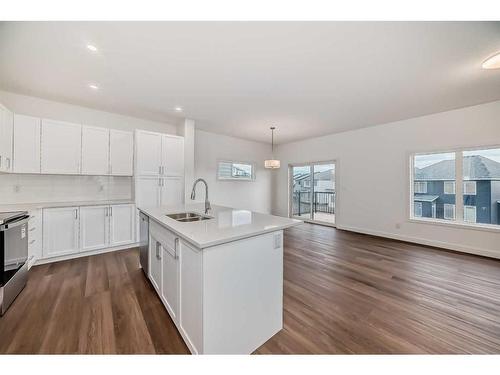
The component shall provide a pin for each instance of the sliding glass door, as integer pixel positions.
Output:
(312, 192)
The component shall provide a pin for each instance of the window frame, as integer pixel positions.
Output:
(421, 183)
(453, 184)
(470, 182)
(232, 162)
(459, 203)
(454, 207)
(475, 213)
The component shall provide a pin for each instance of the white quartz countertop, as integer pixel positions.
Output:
(227, 224)
(39, 205)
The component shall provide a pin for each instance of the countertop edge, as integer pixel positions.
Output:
(222, 241)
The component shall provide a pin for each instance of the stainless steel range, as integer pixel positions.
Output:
(13, 256)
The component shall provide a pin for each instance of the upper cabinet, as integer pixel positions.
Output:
(6, 135)
(95, 151)
(61, 147)
(107, 152)
(121, 153)
(159, 154)
(148, 153)
(172, 148)
(26, 153)
(33, 145)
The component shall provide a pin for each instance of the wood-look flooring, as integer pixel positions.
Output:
(101, 304)
(343, 293)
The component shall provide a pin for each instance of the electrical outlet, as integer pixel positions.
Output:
(398, 226)
(17, 188)
(277, 241)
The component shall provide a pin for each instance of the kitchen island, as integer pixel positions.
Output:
(220, 276)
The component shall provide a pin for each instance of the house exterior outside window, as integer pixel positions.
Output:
(480, 183)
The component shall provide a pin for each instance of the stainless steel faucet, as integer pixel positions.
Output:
(193, 194)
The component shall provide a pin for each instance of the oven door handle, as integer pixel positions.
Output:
(14, 223)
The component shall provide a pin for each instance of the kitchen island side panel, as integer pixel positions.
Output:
(242, 294)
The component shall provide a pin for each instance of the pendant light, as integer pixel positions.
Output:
(272, 163)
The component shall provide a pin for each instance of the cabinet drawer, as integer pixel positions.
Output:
(165, 237)
(35, 222)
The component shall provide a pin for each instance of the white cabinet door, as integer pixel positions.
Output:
(147, 192)
(148, 153)
(122, 224)
(172, 155)
(61, 147)
(94, 227)
(26, 144)
(155, 263)
(6, 132)
(172, 191)
(60, 231)
(95, 151)
(190, 296)
(121, 153)
(170, 279)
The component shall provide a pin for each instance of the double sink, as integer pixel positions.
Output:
(187, 217)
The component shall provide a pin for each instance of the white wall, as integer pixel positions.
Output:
(37, 107)
(373, 174)
(252, 195)
(19, 188)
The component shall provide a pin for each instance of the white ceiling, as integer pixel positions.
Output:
(238, 78)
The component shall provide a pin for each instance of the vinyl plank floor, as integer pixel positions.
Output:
(344, 293)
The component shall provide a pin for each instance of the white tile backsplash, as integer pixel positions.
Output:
(18, 188)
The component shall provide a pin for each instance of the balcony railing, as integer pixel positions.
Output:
(323, 201)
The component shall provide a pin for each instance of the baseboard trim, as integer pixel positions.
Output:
(440, 244)
(84, 254)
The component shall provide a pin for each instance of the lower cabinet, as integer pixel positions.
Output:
(71, 230)
(170, 279)
(60, 231)
(121, 224)
(190, 294)
(94, 227)
(155, 262)
(225, 299)
(175, 272)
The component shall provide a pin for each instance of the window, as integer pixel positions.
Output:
(430, 172)
(449, 187)
(417, 209)
(449, 211)
(420, 187)
(470, 214)
(462, 186)
(229, 170)
(470, 188)
(481, 171)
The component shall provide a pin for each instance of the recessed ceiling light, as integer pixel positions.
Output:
(178, 109)
(492, 62)
(94, 87)
(91, 47)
